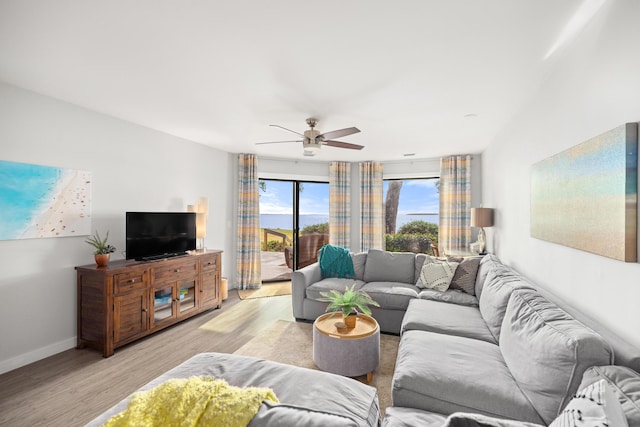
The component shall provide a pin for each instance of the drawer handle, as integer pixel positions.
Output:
(209, 263)
(177, 270)
(132, 280)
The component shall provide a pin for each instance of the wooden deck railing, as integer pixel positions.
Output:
(286, 241)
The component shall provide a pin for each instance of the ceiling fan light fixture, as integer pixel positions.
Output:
(311, 148)
(313, 139)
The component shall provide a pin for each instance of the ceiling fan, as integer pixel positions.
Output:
(312, 139)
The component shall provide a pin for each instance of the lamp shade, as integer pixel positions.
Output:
(481, 217)
(203, 205)
(201, 225)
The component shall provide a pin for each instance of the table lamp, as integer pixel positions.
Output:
(482, 217)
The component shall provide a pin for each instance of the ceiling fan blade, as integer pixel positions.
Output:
(341, 144)
(276, 142)
(278, 126)
(339, 133)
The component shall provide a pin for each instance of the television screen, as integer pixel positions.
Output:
(154, 235)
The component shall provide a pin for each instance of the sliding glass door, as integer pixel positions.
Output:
(312, 221)
(294, 224)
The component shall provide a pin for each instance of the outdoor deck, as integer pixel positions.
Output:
(274, 267)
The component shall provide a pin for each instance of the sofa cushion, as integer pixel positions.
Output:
(436, 275)
(383, 266)
(466, 419)
(302, 403)
(330, 284)
(501, 282)
(488, 263)
(625, 384)
(446, 374)
(594, 406)
(465, 277)
(391, 295)
(450, 296)
(547, 351)
(442, 318)
(419, 261)
(409, 417)
(359, 260)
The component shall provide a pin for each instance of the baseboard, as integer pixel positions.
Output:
(35, 355)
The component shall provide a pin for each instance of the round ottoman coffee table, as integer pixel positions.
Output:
(348, 352)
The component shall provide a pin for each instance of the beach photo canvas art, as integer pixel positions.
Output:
(586, 196)
(43, 201)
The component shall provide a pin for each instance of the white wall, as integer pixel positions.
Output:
(133, 168)
(592, 87)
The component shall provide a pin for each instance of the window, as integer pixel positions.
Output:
(412, 209)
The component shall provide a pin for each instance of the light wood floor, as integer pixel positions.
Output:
(73, 387)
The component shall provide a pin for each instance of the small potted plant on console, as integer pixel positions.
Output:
(103, 249)
(350, 303)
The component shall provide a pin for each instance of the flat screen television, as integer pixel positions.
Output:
(156, 235)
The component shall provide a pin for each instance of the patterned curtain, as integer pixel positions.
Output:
(248, 243)
(339, 204)
(455, 204)
(371, 206)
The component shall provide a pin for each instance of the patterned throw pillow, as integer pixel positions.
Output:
(436, 275)
(595, 405)
(465, 277)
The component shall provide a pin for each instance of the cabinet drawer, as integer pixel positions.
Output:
(129, 281)
(175, 270)
(209, 263)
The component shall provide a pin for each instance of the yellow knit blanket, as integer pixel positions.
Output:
(194, 401)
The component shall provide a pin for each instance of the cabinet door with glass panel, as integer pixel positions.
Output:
(173, 300)
(173, 291)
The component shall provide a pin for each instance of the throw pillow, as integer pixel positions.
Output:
(465, 277)
(595, 405)
(625, 383)
(436, 275)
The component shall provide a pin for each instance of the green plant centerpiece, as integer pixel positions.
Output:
(350, 302)
(103, 249)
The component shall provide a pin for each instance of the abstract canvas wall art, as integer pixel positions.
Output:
(43, 201)
(586, 196)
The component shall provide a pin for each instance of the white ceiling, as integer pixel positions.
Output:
(407, 73)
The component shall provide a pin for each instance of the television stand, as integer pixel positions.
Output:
(161, 256)
(128, 300)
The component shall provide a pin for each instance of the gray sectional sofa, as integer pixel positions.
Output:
(494, 352)
(502, 349)
(389, 277)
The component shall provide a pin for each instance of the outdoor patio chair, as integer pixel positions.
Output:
(308, 247)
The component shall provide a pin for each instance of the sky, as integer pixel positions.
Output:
(416, 196)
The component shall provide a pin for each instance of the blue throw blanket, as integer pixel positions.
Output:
(336, 262)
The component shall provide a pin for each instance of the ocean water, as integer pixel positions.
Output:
(285, 222)
(24, 189)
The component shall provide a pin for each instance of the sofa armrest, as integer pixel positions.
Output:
(300, 281)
